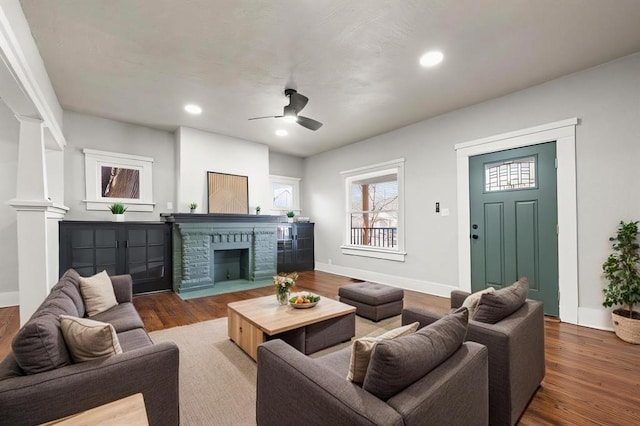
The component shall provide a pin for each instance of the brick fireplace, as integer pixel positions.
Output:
(207, 253)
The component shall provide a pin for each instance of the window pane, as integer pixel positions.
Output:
(378, 229)
(512, 174)
(282, 196)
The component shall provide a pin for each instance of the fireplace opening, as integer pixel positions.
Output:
(230, 265)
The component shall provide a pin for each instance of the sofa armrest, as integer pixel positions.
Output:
(122, 287)
(457, 298)
(293, 389)
(516, 359)
(152, 371)
(411, 314)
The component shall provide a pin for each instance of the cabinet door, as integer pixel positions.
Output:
(303, 242)
(147, 257)
(286, 258)
(89, 249)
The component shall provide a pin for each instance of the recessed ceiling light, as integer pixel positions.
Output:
(193, 109)
(281, 132)
(431, 58)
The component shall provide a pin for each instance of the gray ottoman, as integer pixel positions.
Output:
(371, 300)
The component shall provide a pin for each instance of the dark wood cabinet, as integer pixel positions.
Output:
(295, 247)
(141, 249)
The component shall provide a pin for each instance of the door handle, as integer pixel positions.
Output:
(474, 236)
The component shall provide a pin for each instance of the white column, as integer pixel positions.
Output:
(36, 217)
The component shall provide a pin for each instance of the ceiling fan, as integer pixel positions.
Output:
(290, 113)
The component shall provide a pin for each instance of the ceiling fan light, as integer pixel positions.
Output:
(290, 118)
(281, 132)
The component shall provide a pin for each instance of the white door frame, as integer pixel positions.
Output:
(564, 133)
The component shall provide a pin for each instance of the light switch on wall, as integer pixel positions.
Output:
(169, 205)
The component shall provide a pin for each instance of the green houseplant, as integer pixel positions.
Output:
(118, 210)
(258, 209)
(621, 270)
(290, 215)
(193, 207)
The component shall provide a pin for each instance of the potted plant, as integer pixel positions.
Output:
(118, 210)
(290, 215)
(257, 209)
(621, 270)
(193, 207)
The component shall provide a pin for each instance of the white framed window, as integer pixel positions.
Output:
(285, 194)
(374, 220)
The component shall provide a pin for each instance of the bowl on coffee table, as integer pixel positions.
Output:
(304, 301)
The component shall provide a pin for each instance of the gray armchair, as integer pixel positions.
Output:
(516, 355)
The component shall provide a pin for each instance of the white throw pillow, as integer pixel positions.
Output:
(472, 300)
(361, 350)
(87, 339)
(97, 293)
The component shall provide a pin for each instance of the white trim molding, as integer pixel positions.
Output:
(412, 284)
(94, 160)
(9, 298)
(564, 134)
(392, 166)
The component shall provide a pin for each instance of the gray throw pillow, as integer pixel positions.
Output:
(398, 363)
(494, 307)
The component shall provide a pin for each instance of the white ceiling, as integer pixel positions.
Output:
(140, 61)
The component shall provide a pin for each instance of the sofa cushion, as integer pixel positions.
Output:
(39, 345)
(122, 317)
(134, 339)
(361, 350)
(396, 364)
(495, 306)
(472, 300)
(88, 339)
(69, 284)
(97, 293)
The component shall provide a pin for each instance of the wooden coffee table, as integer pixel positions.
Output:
(254, 321)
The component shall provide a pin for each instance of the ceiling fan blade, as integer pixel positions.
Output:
(297, 101)
(309, 123)
(268, 116)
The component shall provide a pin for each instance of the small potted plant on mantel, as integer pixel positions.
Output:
(118, 210)
(290, 215)
(621, 270)
(193, 207)
(257, 209)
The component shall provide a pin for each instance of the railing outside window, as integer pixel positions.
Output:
(375, 237)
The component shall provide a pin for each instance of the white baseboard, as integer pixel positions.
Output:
(595, 318)
(421, 286)
(9, 298)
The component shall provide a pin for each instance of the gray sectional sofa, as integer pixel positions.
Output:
(39, 382)
(419, 379)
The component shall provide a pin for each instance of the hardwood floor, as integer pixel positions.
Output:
(592, 377)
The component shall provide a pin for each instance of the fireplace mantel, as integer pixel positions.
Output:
(221, 218)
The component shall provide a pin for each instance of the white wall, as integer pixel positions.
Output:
(9, 133)
(285, 165)
(607, 101)
(199, 152)
(86, 131)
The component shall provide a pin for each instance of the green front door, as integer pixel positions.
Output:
(514, 217)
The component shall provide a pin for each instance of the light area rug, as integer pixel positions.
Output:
(218, 380)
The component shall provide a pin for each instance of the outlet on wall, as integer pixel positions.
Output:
(329, 260)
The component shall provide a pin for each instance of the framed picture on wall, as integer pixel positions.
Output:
(113, 177)
(227, 193)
